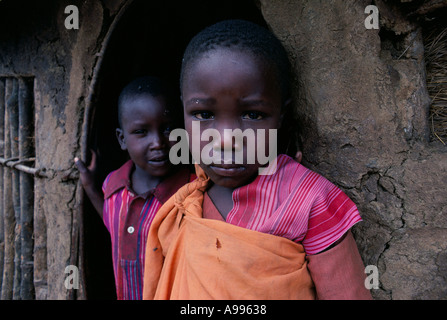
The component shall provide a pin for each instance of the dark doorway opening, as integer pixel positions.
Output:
(149, 40)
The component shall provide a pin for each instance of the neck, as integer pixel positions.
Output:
(222, 198)
(143, 182)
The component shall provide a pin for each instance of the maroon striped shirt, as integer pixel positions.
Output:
(128, 217)
(295, 203)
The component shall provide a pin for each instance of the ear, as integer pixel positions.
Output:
(121, 140)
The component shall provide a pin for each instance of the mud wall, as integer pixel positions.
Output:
(365, 127)
(35, 42)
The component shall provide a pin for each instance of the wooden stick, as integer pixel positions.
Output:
(40, 273)
(78, 223)
(8, 268)
(428, 7)
(17, 164)
(26, 150)
(13, 108)
(2, 150)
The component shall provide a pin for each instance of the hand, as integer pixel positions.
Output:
(88, 180)
(87, 173)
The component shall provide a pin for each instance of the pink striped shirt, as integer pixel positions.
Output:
(295, 203)
(128, 217)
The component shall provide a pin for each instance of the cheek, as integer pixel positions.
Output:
(188, 130)
(194, 130)
(133, 147)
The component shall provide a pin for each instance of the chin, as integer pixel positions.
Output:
(228, 183)
(160, 172)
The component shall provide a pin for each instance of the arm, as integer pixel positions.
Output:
(338, 273)
(87, 176)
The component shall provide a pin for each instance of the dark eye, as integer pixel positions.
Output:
(253, 115)
(167, 129)
(139, 131)
(203, 115)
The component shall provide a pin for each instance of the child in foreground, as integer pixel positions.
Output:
(133, 194)
(233, 233)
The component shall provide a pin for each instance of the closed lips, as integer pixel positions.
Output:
(227, 170)
(160, 158)
(226, 166)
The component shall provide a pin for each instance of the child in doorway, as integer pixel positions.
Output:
(234, 233)
(133, 194)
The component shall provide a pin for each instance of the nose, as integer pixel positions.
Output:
(230, 139)
(156, 141)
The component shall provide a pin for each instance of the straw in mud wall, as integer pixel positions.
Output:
(436, 69)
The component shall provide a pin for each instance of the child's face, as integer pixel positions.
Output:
(145, 134)
(230, 89)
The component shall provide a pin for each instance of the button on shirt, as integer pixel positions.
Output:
(128, 217)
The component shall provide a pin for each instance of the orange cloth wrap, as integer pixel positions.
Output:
(188, 257)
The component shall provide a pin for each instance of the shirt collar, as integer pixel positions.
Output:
(121, 178)
(168, 186)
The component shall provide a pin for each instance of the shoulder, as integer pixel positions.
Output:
(331, 213)
(302, 175)
(323, 201)
(117, 179)
(294, 178)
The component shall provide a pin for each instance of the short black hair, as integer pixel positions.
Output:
(146, 85)
(245, 36)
